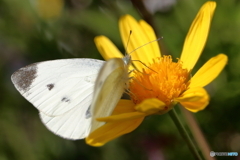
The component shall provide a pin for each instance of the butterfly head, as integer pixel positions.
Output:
(127, 59)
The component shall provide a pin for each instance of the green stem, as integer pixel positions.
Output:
(184, 134)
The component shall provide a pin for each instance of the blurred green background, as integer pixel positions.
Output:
(40, 30)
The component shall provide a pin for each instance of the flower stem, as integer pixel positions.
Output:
(184, 134)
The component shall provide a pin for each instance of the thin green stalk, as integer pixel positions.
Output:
(198, 135)
(184, 134)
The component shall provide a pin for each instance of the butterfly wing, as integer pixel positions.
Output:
(60, 90)
(109, 87)
(55, 87)
(74, 124)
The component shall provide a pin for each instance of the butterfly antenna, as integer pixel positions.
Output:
(145, 45)
(130, 33)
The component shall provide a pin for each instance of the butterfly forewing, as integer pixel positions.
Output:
(55, 87)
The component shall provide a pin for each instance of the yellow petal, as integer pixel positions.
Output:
(111, 131)
(151, 106)
(106, 48)
(122, 112)
(209, 71)
(191, 95)
(197, 35)
(124, 106)
(150, 34)
(194, 99)
(138, 38)
(122, 117)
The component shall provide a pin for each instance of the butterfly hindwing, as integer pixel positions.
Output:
(108, 89)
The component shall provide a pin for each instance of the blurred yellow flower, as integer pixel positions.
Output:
(49, 9)
(164, 83)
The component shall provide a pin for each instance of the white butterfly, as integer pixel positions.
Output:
(63, 91)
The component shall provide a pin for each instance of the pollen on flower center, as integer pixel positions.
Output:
(163, 79)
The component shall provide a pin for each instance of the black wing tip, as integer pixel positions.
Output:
(24, 77)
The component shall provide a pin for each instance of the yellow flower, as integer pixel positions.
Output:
(49, 9)
(157, 88)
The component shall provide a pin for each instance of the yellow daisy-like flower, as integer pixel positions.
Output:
(164, 83)
(49, 9)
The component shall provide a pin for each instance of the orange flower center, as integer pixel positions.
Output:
(163, 79)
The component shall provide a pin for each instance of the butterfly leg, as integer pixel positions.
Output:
(145, 65)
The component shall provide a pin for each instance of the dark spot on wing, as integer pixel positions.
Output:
(24, 77)
(65, 99)
(88, 114)
(50, 86)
